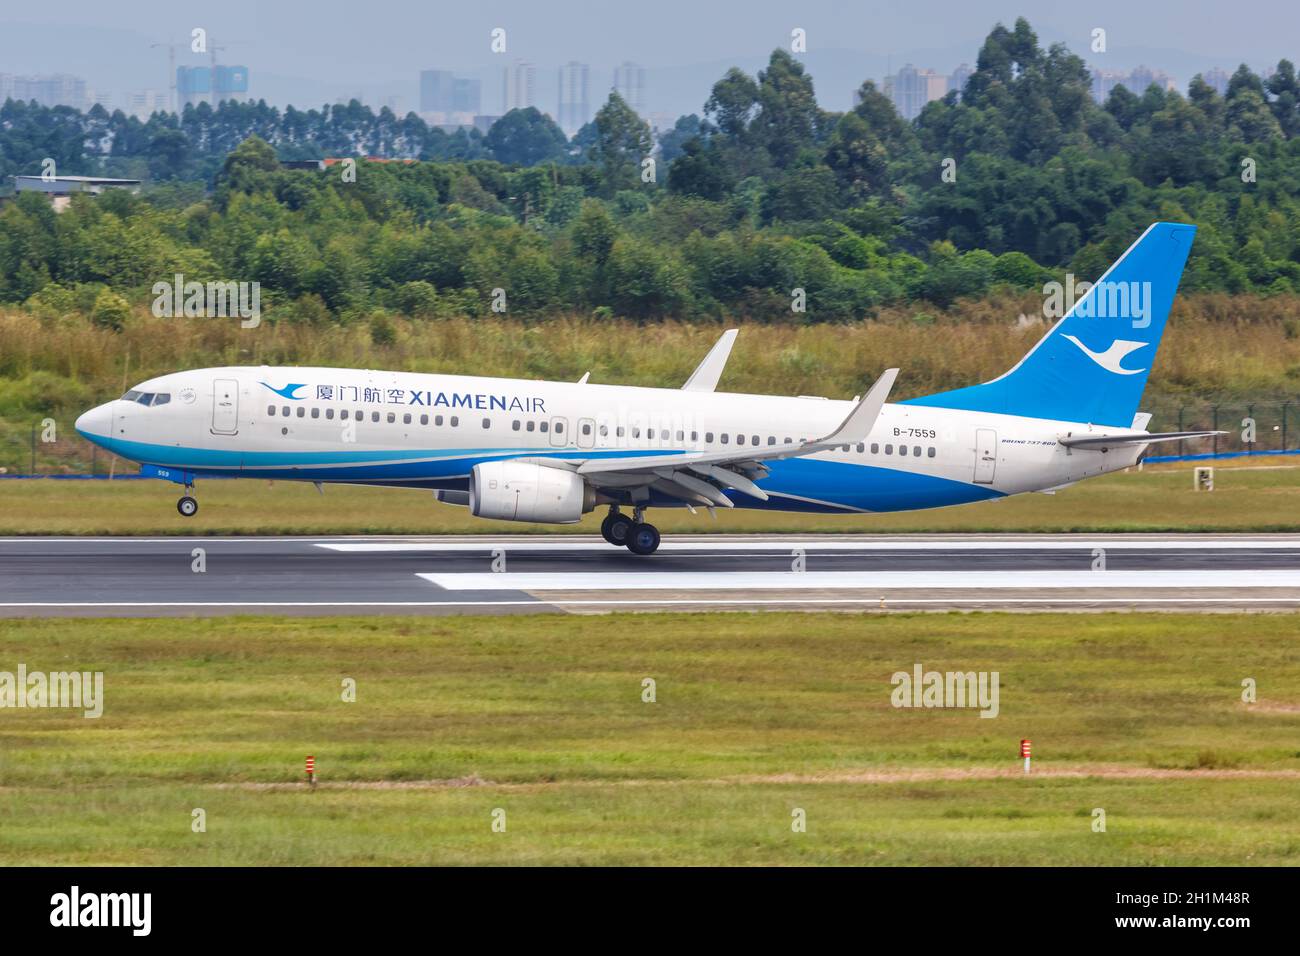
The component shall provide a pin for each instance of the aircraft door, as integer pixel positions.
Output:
(586, 433)
(225, 407)
(986, 455)
(559, 431)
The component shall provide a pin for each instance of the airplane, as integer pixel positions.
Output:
(551, 452)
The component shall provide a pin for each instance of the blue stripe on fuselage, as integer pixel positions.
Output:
(796, 484)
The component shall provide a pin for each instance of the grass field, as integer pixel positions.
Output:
(1260, 498)
(756, 716)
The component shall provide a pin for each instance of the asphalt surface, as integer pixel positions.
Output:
(151, 577)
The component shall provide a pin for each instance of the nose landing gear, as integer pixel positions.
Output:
(188, 505)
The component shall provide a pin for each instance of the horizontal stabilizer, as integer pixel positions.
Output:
(1129, 438)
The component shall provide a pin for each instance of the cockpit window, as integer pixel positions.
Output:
(147, 398)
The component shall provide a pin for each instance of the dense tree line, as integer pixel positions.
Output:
(1017, 179)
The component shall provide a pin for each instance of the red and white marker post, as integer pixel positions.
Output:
(1025, 745)
(311, 770)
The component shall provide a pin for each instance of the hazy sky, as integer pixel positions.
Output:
(314, 51)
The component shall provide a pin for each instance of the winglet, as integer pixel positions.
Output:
(585, 376)
(859, 422)
(706, 374)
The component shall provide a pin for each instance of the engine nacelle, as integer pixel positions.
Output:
(519, 491)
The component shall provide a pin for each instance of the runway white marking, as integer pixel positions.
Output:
(780, 545)
(856, 580)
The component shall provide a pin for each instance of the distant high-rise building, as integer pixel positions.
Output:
(910, 89)
(519, 86)
(573, 104)
(1135, 81)
(629, 83)
(144, 103)
(959, 77)
(55, 89)
(1217, 79)
(466, 95)
(197, 84)
(436, 91)
(449, 100)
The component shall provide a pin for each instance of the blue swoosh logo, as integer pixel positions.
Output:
(287, 391)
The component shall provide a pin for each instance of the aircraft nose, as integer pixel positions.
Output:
(96, 423)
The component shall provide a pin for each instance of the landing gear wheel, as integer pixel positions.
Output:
(187, 506)
(615, 528)
(643, 539)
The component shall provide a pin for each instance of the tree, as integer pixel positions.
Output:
(526, 137)
(622, 142)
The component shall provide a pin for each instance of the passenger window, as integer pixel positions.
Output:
(930, 453)
(455, 421)
(725, 438)
(437, 420)
(771, 439)
(916, 451)
(586, 429)
(392, 417)
(875, 448)
(663, 434)
(789, 441)
(902, 450)
(329, 413)
(374, 416)
(861, 447)
(543, 426)
(359, 415)
(270, 409)
(708, 437)
(889, 449)
(514, 426)
(487, 423)
(424, 419)
(559, 427)
(315, 413)
(284, 410)
(695, 436)
(681, 436)
(406, 419)
(343, 415)
(740, 439)
(636, 432)
(302, 412)
(604, 430)
(531, 426)
(753, 439)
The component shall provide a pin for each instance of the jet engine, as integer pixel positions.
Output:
(520, 491)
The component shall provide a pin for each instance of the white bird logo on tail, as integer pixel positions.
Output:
(1111, 358)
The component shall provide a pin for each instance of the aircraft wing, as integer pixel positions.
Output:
(699, 477)
(1129, 438)
(706, 374)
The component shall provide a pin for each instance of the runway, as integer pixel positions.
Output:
(528, 574)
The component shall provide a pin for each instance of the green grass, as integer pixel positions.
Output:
(1158, 499)
(545, 716)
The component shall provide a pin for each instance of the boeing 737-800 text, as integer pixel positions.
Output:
(551, 452)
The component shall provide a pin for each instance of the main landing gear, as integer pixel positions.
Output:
(633, 533)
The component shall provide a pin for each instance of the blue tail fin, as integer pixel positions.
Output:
(1093, 364)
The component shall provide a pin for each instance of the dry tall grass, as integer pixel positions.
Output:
(1217, 346)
